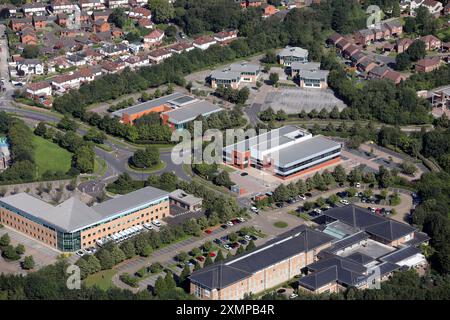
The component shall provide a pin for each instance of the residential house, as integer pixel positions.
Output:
(76, 59)
(378, 72)
(66, 82)
(158, 55)
(135, 62)
(181, 47)
(342, 44)
(34, 8)
(38, 89)
(101, 15)
(28, 36)
(364, 36)
(334, 38)
(434, 7)
(145, 23)
(268, 10)
(112, 66)
(30, 66)
(138, 13)
(101, 26)
(91, 5)
(111, 50)
(225, 37)
(403, 44)
(357, 57)
(428, 64)
(19, 24)
(431, 42)
(39, 22)
(154, 38)
(394, 26)
(204, 42)
(62, 6)
(350, 51)
(366, 64)
(394, 76)
(112, 4)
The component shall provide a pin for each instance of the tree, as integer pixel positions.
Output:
(185, 273)
(281, 193)
(162, 10)
(384, 177)
(28, 263)
(128, 249)
(145, 158)
(160, 286)
(333, 199)
(408, 167)
(396, 9)
(67, 124)
(208, 261)
(339, 174)
(416, 50)
(20, 249)
(105, 258)
(251, 245)
(402, 61)
(274, 78)
(223, 179)
(95, 136)
(9, 252)
(240, 250)
(5, 240)
(219, 256)
(30, 51)
(40, 129)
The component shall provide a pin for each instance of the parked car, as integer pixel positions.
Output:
(254, 209)
(247, 237)
(226, 247)
(212, 254)
(157, 223)
(280, 204)
(200, 258)
(243, 242)
(80, 253)
(235, 221)
(235, 245)
(230, 224)
(240, 219)
(208, 231)
(217, 241)
(148, 226)
(302, 197)
(317, 210)
(358, 185)
(243, 174)
(344, 201)
(224, 226)
(254, 237)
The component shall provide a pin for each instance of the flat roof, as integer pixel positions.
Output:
(297, 65)
(294, 52)
(185, 197)
(305, 150)
(149, 104)
(191, 111)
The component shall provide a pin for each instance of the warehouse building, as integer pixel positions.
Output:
(72, 225)
(179, 118)
(285, 152)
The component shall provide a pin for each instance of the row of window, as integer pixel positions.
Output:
(26, 227)
(300, 164)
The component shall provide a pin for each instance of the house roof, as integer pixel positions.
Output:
(38, 85)
(348, 241)
(294, 52)
(390, 230)
(291, 243)
(428, 62)
(360, 258)
(401, 254)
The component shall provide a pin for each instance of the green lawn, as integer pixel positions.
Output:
(102, 279)
(49, 156)
(280, 224)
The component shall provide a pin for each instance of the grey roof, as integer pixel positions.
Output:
(319, 279)
(393, 23)
(265, 140)
(373, 224)
(192, 111)
(245, 67)
(349, 241)
(360, 258)
(182, 196)
(225, 75)
(291, 243)
(419, 237)
(316, 74)
(365, 32)
(401, 254)
(130, 201)
(148, 104)
(294, 52)
(387, 267)
(390, 230)
(308, 66)
(348, 272)
(305, 150)
(72, 214)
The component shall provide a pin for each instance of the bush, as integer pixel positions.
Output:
(28, 263)
(129, 280)
(156, 267)
(10, 253)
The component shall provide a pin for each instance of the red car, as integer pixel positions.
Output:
(235, 245)
(208, 231)
(235, 221)
(200, 258)
(212, 254)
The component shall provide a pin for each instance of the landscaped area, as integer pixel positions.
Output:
(50, 157)
(280, 224)
(102, 279)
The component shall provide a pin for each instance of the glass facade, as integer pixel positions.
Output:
(304, 164)
(69, 241)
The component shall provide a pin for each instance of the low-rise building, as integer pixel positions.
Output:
(428, 64)
(30, 66)
(159, 55)
(179, 118)
(204, 42)
(431, 42)
(235, 74)
(154, 38)
(292, 54)
(38, 89)
(184, 200)
(225, 37)
(274, 263)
